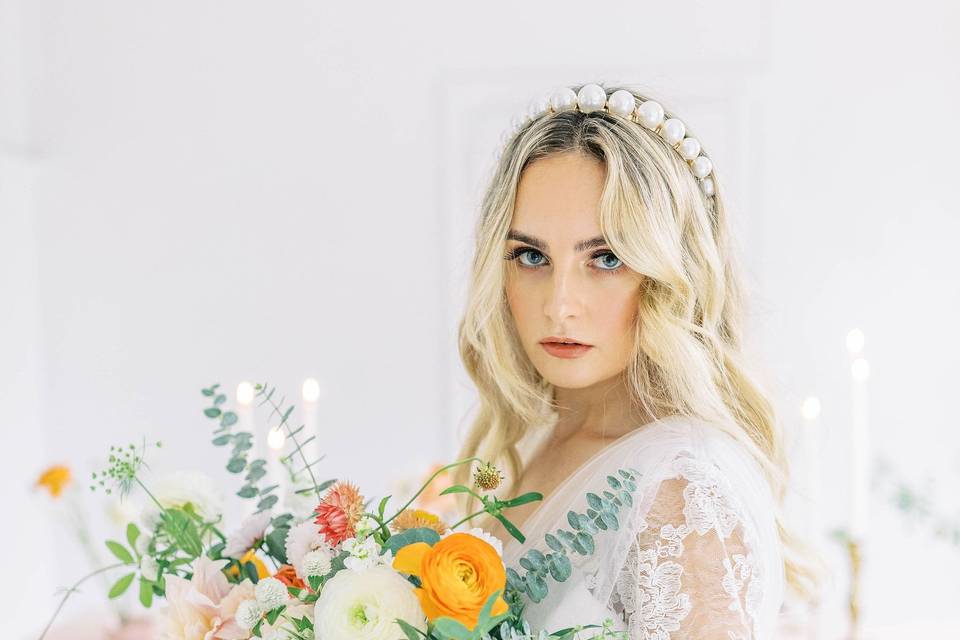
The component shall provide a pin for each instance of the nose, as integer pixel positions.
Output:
(564, 297)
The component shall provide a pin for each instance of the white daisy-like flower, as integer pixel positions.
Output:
(244, 538)
(316, 563)
(490, 539)
(182, 487)
(302, 539)
(149, 568)
(248, 614)
(271, 593)
(364, 554)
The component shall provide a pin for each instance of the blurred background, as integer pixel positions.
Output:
(205, 192)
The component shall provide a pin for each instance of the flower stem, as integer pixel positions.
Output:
(472, 515)
(74, 588)
(427, 483)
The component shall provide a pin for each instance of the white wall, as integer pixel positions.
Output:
(202, 192)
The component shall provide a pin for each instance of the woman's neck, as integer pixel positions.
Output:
(605, 410)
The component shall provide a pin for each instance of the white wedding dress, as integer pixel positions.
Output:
(696, 555)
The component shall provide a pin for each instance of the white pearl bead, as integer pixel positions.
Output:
(650, 114)
(516, 123)
(689, 148)
(708, 187)
(622, 103)
(505, 138)
(591, 97)
(563, 99)
(672, 131)
(702, 166)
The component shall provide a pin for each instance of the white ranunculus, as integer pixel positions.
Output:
(177, 489)
(364, 606)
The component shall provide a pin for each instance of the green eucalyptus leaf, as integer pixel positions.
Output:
(573, 519)
(247, 491)
(220, 399)
(594, 501)
(586, 541)
(212, 412)
(420, 534)
(553, 543)
(613, 482)
(451, 628)
(236, 465)
(267, 502)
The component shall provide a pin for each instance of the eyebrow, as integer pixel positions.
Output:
(583, 245)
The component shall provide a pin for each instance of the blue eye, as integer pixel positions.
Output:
(610, 267)
(527, 252)
(602, 257)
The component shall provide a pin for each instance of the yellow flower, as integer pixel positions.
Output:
(250, 556)
(457, 576)
(54, 479)
(417, 518)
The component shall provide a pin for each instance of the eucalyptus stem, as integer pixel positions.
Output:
(74, 588)
(427, 483)
(299, 449)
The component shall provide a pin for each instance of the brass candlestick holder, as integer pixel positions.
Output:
(854, 553)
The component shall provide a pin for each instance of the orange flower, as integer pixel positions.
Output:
(457, 575)
(288, 576)
(416, 518)
(250, 556)
(339, 512)
(54, 479)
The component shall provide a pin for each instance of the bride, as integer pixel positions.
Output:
(603, 332)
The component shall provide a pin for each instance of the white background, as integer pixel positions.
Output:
(198, 192)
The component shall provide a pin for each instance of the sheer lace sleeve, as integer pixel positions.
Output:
(690, 572)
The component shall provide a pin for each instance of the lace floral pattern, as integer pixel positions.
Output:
(691, 572)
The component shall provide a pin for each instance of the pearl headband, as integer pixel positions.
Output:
(593, 97)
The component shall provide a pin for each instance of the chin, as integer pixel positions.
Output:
(574, 378)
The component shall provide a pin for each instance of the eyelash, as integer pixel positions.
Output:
(519, 251)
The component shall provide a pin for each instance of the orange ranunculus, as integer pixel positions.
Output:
(457, 575)
(54, 479)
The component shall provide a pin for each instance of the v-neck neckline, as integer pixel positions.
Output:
(643, 428)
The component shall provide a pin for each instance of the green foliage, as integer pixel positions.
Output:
(602, 514)
(421, 534)
(120, 552)
(121, 585)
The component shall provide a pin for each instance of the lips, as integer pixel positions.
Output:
(563, 340)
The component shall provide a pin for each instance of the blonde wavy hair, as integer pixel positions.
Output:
(688, 356)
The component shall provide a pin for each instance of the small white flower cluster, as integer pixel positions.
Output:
(270, 593)
(364, 554)
(305, 544)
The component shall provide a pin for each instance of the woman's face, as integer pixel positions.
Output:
(562, 280)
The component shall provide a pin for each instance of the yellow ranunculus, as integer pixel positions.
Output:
(54, 479)
(457, 576)
(250, 556)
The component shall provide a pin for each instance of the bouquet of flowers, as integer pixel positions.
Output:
(346, 572)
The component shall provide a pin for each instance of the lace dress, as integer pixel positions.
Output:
(696, 554)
